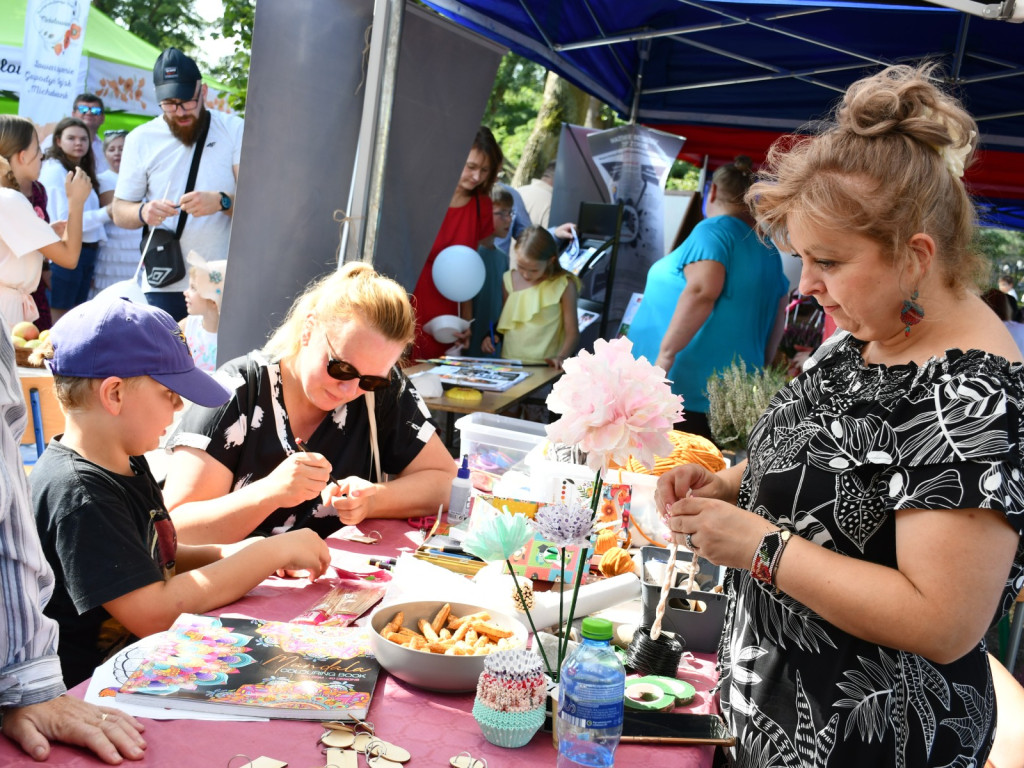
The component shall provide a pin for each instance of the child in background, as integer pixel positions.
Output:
(538, 322)
(488, 302)
(118, 370)
(202, 300)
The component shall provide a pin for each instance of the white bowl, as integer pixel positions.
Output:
(434, 671)
(444, 327)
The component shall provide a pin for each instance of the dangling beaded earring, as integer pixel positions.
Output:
(911, 314)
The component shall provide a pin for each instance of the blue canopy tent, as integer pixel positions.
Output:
(733, 76)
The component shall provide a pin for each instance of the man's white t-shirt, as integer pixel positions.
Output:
(155, 166)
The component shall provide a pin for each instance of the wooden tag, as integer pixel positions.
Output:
(266, 762)
(361, 740)
(338, 738)
(395, 753)
(342, 758)
(338, 725)
(359, 539)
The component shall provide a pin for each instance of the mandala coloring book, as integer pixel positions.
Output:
(272, 669)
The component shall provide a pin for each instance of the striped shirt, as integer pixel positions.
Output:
(29, 667)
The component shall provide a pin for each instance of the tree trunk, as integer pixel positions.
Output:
(594, 117)
(563, 103)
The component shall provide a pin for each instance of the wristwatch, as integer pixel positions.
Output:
(225, 201)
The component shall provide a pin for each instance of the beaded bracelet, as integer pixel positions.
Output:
(767, 556)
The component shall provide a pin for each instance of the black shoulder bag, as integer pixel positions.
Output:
(162, 247)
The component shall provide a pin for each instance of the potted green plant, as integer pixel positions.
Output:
(737, 397)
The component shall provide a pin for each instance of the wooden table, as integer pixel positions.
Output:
(432, 726)
(40, 379)
(491, 402)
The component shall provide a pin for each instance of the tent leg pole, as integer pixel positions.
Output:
(359, 236)
(645, 53)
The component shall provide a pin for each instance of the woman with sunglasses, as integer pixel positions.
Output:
(308, 408)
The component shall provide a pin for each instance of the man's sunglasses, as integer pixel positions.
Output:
(87, 110)
(343, 371)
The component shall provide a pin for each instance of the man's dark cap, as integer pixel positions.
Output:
(175, 76)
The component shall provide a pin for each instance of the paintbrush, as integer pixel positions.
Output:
(302, 447)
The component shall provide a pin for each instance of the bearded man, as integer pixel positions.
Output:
(155, 167)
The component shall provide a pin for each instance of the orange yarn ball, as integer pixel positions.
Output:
(616, 561)
(605, 541)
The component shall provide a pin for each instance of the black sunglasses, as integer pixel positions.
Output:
(343, 371)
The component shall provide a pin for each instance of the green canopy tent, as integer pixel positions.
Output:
(116, 65)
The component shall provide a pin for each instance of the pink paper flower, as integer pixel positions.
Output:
(614, 406)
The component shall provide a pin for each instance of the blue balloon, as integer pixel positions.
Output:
(459, 272)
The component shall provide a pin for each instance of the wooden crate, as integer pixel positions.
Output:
(21, 355)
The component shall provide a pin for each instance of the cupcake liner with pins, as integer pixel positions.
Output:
(511, 697)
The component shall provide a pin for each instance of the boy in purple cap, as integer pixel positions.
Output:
(120, 371)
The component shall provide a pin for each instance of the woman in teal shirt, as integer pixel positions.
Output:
(720, 295)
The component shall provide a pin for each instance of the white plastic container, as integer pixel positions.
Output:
(496, 443)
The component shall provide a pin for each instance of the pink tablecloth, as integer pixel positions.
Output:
(432, 726)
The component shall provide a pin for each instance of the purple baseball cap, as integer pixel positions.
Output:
(98, 339)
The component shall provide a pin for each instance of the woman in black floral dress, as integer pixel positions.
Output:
(875, 533)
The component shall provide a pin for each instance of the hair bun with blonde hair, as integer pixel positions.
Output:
(889, 166)
(904, 100)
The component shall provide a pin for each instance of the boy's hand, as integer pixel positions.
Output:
(303, 551)
(111, 734)
(486, 345)
(77, 186)
(353, 500)
(300, 477)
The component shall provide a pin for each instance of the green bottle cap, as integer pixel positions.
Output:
(597, 629)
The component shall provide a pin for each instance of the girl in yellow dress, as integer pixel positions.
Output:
(538, 322)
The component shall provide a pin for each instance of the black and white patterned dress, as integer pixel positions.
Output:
(838, 451)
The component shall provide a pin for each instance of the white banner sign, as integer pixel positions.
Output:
(121, 86)
(54, 31)
(635, 162)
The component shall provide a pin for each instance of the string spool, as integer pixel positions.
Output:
(654, 657)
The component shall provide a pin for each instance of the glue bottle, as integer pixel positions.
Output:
(458, 502)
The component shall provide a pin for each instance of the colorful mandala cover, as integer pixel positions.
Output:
(272, 669)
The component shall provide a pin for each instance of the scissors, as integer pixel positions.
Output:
(427, 522)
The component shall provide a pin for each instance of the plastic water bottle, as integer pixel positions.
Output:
(458, 502)
(592, 686)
